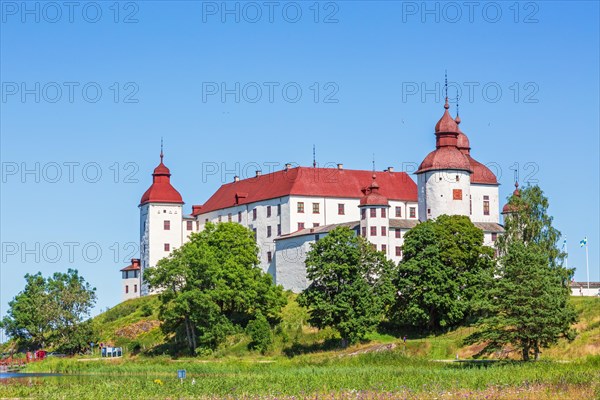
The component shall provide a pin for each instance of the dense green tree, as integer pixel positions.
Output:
(527, 305)
(51, 312)
(444, 270)
(28, 318)
(259, 331)
(212, 286)
(351, 284)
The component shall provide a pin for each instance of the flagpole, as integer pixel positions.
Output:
(587, 264)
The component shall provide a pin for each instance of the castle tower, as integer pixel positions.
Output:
(131, 280)
(444, 176)
(161, 219)
(375, 217)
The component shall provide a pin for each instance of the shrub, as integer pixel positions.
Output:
(260, 332)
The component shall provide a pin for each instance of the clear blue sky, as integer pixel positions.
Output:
(369, 56)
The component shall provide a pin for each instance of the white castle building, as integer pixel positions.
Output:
(294, 207)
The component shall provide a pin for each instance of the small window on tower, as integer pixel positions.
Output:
(134, 288)
(189, 225)
(269, 231)
(219, 219)
(269, 256)
(494, 236)
(278, 209)
(398, 212)
(364, 231)
(384, 248)
(456, 194)
(300, 225)
(383, 231)
(229, 217)
(239, 216)
(167, 247)
(383, 213)
(278, 229)
(341, 210)
(373, 231)
(254, 212)
(486, 205)
(457, 178)
(301, 207)
(126, 289)
(316, 224)
(373, 212)
(268, 211)
(412, 212)
(398, 251)
(363, 213)
(315, 208)
(398, 234)
(167, 225)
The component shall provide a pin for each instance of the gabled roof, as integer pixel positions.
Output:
(135, 265)
(315, 182)
(319, 229)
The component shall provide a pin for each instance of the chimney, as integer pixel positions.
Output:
(135, 262)
(288, 166)
(258, 173)
(390, 169)
(236, 178)
(340, 166)
(196, 210)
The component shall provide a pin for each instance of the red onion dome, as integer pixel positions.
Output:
(161, 190)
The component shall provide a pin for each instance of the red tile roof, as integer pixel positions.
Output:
(135, 265)
(315, 182)
(161, 190)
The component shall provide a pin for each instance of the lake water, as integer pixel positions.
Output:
(13, 375)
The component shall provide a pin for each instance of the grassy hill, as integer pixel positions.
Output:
(134, 325)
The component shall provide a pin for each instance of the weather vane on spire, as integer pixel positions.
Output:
(314, 157)
(373, 162)
(446, 82)
(161, 149)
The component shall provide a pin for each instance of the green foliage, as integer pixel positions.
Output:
(50, 312)
(212, 286)
(259, 331)
(527, 306)
(443, 272)
(351, 284)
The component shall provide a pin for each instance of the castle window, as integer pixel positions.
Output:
(134, 288)
(383, 213)
(315, 208)
(300, 225)
(494, 236)
(229, 217)
(398, 212)
(456, 194)
(254, 213)
(268, 211)
(429, 211)
(269, 256)
(254, 232)
(373, 212)
(384, 248)
(167, 225)
(486, 205)
(383, 231)
(278, 229)
(219, 219)
(363, 213)
(301, 207)
(239, 216)
(316, 224)
(126, 289)
(364, 231)
(398, 234)
(269, 231)
(341, 210)
(412, 212)
(457, 178)
(278, 209)
(167, 247)
(398, 251)
(188, 225)
(373, 231)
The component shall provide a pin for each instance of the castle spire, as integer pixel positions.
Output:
(161, 150)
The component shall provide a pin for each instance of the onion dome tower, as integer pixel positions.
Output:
(510, 208)
(161, 219)
(374, 217)
(444, 175)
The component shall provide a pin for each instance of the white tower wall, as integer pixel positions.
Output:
(443, 192)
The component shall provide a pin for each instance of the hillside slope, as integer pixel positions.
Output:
(134, 325)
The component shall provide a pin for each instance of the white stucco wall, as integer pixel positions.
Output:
(133, 283)
(478, 192)
(436, 193)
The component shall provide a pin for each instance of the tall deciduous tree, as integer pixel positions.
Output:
(51, 312)
(212, 286)
(444, 269)
(527, 305)
(351, 286)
